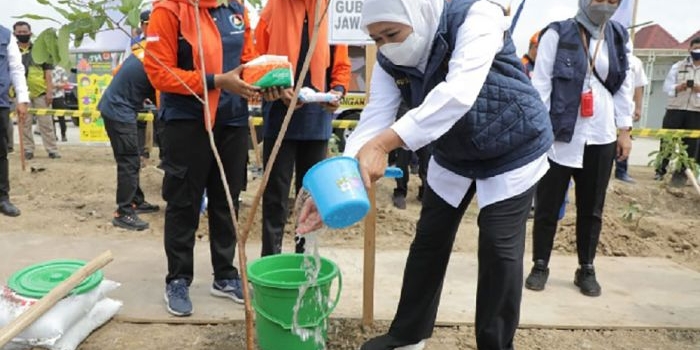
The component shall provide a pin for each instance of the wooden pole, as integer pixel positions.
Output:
(20, 128)
(371, 219)
(26, 319)
(256, 145)
(633, 30)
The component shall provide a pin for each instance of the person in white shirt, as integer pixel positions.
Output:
(11, 73)
(581, 75)
(683, 110)
(639, 81)
(454, 65)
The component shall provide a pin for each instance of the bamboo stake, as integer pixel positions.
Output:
(256, 145)
(689, 174)
(26, 319)
(20, 128)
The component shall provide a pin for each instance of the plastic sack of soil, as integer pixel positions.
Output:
(309, 95)
(66, 324)
(269, 71)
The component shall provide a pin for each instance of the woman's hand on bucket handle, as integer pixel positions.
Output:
(373, 156)
(309, 218)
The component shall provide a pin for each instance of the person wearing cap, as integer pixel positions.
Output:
(582, 77)
(144, 18)
(454, 64)
(528, 59)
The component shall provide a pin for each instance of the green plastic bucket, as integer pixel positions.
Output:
(276, 280)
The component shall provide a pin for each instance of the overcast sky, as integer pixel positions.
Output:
(680, 17)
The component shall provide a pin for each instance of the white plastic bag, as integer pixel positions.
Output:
(51, 326)
(103, 311)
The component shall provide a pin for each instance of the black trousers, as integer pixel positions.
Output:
(190, 167)
(679, 119)
(403, 159)
(293, 154)
(591, 187)
(123, 138)
(500, 276)
(60, 103)
(5, 124)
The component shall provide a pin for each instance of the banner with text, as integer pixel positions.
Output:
(344, 23)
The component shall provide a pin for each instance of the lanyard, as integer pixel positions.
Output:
(591, 60)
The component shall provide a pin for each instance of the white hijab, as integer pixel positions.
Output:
(422, 15)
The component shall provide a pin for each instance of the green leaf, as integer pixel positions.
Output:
(43, 2)
(78, 39)
(35, 17)
(44, 46)
(134, 17)
(63, 43)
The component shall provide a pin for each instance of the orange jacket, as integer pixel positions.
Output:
(161, 63)
(279, 39)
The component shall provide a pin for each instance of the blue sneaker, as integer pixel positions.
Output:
(177, 298)
(232, 289)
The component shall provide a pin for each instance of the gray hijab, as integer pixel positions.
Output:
(593, 18)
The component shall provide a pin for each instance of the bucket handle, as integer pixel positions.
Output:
(323, 317)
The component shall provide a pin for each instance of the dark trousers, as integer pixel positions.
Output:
(190, 167)
(60, 103)
(500, 275)
(141, 127)
(591, 186)
(403, 159)
(678, 119)
(122, 137)
(5, 124)
(293, 154)
(620, 167)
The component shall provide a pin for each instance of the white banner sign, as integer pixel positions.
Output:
(344, 23)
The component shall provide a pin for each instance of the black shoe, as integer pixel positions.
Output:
(420, 194)
(8, 208)
(54, 155)
(387, 342)
(28, 155)
(129, 222)
(399, 201)
(538, 276)
(10, 149)
(585, 280)
(658, 177)
(64, 138)
(625, 178)
(145, 208)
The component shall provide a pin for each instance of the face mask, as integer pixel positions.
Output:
(23, 38)
(695, 54)
(407, 53)
(600, 14)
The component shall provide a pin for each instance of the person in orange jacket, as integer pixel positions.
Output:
(306, 140)
(528, 59)
(173, 65)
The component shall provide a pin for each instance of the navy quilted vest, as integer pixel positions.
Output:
(508, 126)
(570, 71)
(5, 80)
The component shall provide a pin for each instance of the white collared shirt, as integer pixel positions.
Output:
(609, 112)
(19, 81)
(479, 39)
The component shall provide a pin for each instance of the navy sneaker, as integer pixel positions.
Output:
(145, 207)
(177, 297)
(232, 289)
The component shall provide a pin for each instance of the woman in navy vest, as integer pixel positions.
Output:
(454, 64)
(591, 110)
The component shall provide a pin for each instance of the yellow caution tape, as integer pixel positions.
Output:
(147, 117)
(658, 133)
(337, 124)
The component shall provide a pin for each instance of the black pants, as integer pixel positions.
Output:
(141, 127)
(5, 124)
(60, 103)
(591, 186)
(299, 155)
(688, 120)
(122, 137)
(190, 167)
(403, 159)
(500, 276)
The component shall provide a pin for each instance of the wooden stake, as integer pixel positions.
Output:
(256, 145)
(20, 128)
(369, 260)
(689, 174)
(371, 219)
(26, 319)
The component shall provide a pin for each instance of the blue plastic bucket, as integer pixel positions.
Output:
(336, 186)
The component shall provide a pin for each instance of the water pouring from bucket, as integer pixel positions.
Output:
(338, 192)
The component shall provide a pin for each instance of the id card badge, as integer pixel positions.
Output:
(587, 104)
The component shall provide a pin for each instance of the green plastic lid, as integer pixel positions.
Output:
(35, 281)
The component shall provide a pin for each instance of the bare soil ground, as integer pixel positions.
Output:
(74, 197)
